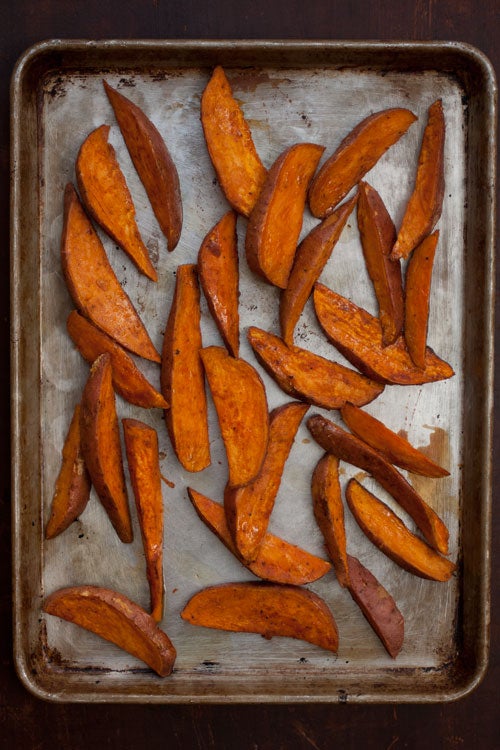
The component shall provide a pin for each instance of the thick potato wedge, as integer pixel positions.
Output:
(248, 508)
(308, 376)
(358, 337)
(329, 513)
(72, 490)
(117, 619)
(141, 444)
(218, 273)
(182, 379)
(240, 401)
(418, 291)
(277, 560)
(392, 537)
(265, 608)
(92, 283)
(101, 448)
(106, 197)
(239, 169)
(310, 259)
(153, 163)
(355, 156)
(349, 448)
(275, 223)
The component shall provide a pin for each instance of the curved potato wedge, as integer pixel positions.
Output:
(329, 513)
(418, 290)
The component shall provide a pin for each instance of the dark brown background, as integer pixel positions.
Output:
(25, 722)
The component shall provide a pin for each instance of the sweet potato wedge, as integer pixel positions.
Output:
(275, 223)
(355, 156)
(237, 165)
(141, 444)
(393, 538)
(182, 378)
(349, 448)
(107, 198)
(418, 290)
(115, 618)
(310, 259)
(277, 560)
(329, 513)
(92, 283)
(426, 201)
(240, 401)
(153, 163)
(101, 448)
(72, 490)
(308, 376)
(218, 273)
(358, 336)
(266, 608)
(248, 508)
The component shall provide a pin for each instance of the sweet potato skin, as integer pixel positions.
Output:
(329, 513)
(418, 290)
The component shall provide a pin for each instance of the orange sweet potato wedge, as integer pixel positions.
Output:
(248, 508)
(426, 201)
(378, 235)
(72, 490)
(277, 560)
(329, 513)
(240, 401)
(218, 272)
(351, 449)
(141, 444)
(182, 378)
(128, 380)
(266, 608)
(115, 618)
(275, 223)
(309, 377)
(101, 448)
(153, 163)
(358, 337)
(310, 259)
(239, 169)
(355, 156)
(418, 290)
(92, 283)
(393, 447)
(393, 538)
(107, 198)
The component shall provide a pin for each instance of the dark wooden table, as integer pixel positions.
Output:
(26, 722)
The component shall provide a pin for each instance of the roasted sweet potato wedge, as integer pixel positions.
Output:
(72, 490)
(266, 608)
(153, 163)
(358, 336)
(107, 198)
(275, 223)
(239, 169)
(240, 401)
(92, 283)
(329, 513)
(218, 273)
(248, 508)
(101, 448)
(355, 156)
(117, 619)
(392, 537)
(418, 291)
(426, 201)
(308, 376)
(349, 448)
(182, 378)
(277, 560)
(310, 259)
(141, 444)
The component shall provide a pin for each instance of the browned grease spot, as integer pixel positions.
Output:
(360, 475)
(306, 441)
(249, 80)
(438, 450)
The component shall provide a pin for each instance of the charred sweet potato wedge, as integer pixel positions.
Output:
(237, 165)
(275, 223)
(355, 156)
(418, 291)
(153, 164)
(115, 618)
(329, 513)
(266, 608)
(107, 198)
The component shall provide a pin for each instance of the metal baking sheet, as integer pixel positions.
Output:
(290, 92)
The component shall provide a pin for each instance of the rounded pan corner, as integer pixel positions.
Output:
(479, 58)
(31, 681)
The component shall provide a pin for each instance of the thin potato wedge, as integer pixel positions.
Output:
(418, 290)
(329, 513)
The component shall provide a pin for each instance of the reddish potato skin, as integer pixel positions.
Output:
(329, 513)
(418, 291)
